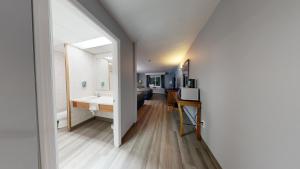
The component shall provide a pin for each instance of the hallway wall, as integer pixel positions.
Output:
(19, 146)
(247, 64)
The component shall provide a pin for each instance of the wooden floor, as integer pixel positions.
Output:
(153, 143)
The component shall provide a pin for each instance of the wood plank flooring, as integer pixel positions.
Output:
(153, 143)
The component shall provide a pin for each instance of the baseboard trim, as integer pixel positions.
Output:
(104, 119)
(127, 134)
(82, 123)
(210, 154)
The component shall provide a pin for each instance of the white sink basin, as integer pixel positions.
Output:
(107, 100)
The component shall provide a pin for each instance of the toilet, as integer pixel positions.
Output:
(61, 118)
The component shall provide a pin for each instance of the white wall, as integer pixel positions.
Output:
(110, 75)
(81, 68)
(60, 81)
(247, 63)
(127, 63)
(18, 108)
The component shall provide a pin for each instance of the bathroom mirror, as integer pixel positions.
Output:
(102, 74)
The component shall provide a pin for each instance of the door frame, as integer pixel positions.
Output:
(44, 72)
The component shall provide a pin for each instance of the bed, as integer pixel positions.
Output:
(147, 92)
(140, 99)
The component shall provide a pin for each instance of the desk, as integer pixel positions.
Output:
(196, 104)
(171, 97)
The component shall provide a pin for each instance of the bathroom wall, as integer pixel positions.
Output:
(60, 81)
(110, 76)
(81, 68)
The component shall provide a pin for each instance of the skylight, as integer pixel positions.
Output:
(101, 41)
(108, 57)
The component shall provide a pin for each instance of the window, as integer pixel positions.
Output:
(155, 81)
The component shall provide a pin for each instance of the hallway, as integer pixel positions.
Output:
(152, 143)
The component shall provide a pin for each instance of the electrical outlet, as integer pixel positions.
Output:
(203, 124)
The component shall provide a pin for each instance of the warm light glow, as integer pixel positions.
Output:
(174, 58)
(180, 65)
(178, 59)
(101, 41)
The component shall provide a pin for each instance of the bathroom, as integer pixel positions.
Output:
(88, 86)
(85, 62)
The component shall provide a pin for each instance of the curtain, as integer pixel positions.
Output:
(147, 80)
(163, 81)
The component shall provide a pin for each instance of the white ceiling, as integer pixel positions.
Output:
(71, 26)
(162, 29)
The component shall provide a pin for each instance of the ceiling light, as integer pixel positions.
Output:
(101, 41)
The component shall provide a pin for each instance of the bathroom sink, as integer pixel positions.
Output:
(85, 99)
(107, 100)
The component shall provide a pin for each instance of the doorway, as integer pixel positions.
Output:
(48, 122)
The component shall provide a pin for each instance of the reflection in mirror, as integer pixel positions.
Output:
(185, 72)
